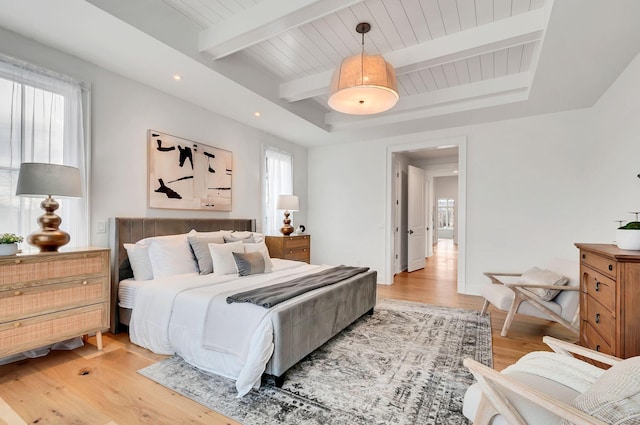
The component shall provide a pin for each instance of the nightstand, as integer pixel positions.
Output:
(292, 247)
(48, 297)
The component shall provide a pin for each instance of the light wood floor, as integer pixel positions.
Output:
(85, 386)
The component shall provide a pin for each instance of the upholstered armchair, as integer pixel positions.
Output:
(537, 296)
(556, 388)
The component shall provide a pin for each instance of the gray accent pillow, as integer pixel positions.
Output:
(200, 247)
(249, 263)
(248, 239)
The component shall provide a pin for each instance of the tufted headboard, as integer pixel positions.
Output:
(132, 229)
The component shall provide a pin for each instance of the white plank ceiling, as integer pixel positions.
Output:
(449, 55)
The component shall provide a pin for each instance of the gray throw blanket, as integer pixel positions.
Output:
(269, 296)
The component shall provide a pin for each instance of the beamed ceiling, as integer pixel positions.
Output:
(458, 62)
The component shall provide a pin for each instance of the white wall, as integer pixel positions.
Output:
(525, 194)
(123, 110)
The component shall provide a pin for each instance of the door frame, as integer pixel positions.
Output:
(461, 142)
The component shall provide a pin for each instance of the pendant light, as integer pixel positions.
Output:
(364, 84)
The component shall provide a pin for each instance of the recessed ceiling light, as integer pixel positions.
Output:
(256, 114)
(177, 77)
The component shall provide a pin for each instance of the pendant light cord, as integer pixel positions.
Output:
(362, 62)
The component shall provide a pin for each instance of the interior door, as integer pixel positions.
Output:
(416, 219)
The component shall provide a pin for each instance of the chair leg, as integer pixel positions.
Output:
(517, 300)
(485, 413)
(485, 307)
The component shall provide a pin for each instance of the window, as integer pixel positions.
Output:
(278, 181)
(445, 213)
(40, 121)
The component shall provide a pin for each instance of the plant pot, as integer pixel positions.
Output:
(8, 248)
(628, 239)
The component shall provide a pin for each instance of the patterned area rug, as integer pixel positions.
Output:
(403, 365)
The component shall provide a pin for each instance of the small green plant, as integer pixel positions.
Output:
(635, 225)
(7, 238)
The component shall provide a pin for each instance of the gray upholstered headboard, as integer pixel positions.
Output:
(130, 230)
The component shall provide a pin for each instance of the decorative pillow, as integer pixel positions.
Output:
(171, 255)
(139, 259)
(536, 276)
(220, 233)
(222, 257)
(615, 397)
(261, 248)
(241, 234)
(249, 263)
(232, 238)
(200, 246)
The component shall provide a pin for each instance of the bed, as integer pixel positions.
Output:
(290, 330)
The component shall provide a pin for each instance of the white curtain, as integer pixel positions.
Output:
(41, 120)
(278, 181)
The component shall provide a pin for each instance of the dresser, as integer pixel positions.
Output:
(610, 299)
(292, 247)
(48, 297)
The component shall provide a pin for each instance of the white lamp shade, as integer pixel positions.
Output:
(37, 179)
(363, 85)
(288, 202)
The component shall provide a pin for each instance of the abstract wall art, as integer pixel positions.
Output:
(184, 174)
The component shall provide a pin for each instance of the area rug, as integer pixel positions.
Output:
(402, 365)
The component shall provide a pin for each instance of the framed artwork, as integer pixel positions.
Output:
(189, 175)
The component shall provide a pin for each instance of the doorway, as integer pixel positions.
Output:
(431, 154)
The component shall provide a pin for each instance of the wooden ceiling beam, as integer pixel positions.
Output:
(264, 20)
(520, 29)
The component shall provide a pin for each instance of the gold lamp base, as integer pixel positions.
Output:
(50, 237)
(287, 229)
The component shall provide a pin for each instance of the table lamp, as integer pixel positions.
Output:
(40, 179)
(287, 203)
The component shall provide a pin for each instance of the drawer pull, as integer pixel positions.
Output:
(597, 317)
(18, 261)
(584, 256)
(84, 282)
(597, 286)
(16, 325)
(598, 347)
(610, 267)
(17, 293)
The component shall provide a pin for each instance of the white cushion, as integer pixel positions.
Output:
(532, 413)
(222, 257)
(139, 259)
(502, 297)
(257, 237)
(261, 248)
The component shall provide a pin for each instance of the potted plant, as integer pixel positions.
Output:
(628, 236)
(9, 243)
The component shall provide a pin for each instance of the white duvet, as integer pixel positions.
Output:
(172, 315)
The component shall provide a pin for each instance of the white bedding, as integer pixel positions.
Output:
(170, 316)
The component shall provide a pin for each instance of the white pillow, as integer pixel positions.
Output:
(139, 259)
(171, 255)
(217, 233)
(257, 237)
(261, 248)
(222, 257)
(536, 276)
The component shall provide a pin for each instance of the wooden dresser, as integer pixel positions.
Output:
(290, 247)
(610, 299)
(48, 297)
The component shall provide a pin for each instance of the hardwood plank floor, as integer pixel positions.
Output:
(85, 386)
